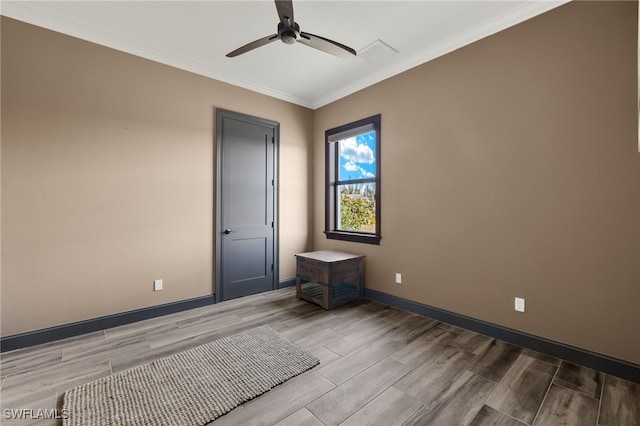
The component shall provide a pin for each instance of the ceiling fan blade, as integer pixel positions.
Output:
(253, 45)
(285, 10)
(326, 45)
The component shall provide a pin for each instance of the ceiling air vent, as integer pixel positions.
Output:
(376, 52)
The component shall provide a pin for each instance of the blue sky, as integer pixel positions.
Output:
(358, 157)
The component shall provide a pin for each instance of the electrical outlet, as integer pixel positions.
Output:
(519, 304)
(398, 278)
(157, 285)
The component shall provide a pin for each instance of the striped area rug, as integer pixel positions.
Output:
(190, 388)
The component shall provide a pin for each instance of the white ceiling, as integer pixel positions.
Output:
(196, 36)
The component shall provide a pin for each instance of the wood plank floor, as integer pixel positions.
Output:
(379, 366)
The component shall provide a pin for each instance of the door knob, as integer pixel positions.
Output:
(228, 231)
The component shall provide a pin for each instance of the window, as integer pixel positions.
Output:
(353, 181)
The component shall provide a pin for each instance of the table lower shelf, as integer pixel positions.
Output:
(328, 296)
(316, 290)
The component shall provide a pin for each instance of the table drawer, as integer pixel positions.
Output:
(313, 270)
(345, 272)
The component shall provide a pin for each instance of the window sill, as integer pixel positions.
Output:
(355, 237)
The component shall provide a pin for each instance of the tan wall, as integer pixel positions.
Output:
(510, 168)
(108, 179)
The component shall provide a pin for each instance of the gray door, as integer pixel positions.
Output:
(246, 205)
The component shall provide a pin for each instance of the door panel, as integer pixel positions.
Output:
(252, 248)
(251, 277)
(246, 205)
(245, 155)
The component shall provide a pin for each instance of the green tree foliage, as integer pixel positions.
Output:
(357, 212)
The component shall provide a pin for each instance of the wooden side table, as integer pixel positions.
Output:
(329, 278)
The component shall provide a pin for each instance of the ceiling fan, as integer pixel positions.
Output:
(289, 32)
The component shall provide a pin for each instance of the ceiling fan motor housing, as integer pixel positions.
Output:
(288, 33)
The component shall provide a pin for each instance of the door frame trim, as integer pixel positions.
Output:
(220, 114)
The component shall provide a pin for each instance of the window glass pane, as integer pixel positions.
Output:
(357, 207)
(357, 157)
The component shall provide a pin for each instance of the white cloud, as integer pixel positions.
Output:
(350, 166)
(355, 152)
